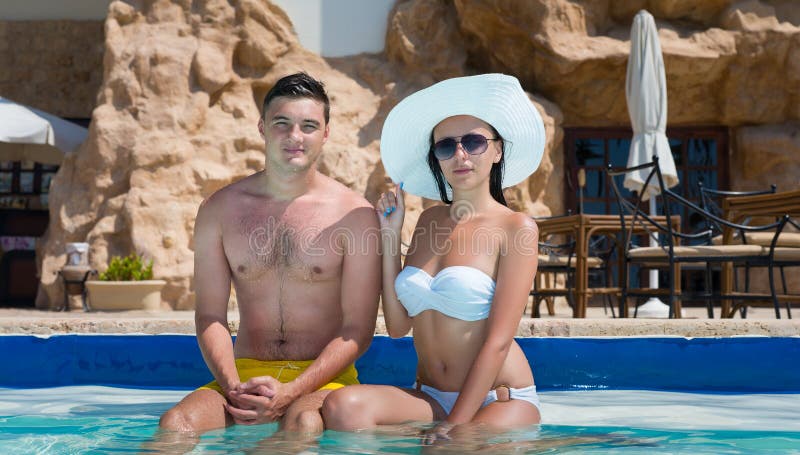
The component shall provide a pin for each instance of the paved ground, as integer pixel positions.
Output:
(760, 321)
(564, 311)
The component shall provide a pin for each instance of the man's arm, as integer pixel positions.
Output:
(361, 283)
(360, 286)
(212, 282)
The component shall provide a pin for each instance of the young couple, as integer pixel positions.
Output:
(294, 244)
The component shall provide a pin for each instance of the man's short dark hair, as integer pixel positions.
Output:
(298, 85)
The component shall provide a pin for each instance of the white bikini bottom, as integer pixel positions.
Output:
(448, 399)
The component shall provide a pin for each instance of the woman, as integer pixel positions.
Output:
(470, 264)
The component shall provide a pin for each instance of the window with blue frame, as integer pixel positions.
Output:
(700, 155)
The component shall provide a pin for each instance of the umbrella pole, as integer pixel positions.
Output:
(654, 307)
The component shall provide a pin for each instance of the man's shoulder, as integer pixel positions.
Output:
(352, 207)
(214, 208)
(345, 198)
(229, 193)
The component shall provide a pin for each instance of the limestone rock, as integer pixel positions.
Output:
(749, 15)
(424, 38)
(765, 155)
(175, 121)
(575, 54)
(183, 82)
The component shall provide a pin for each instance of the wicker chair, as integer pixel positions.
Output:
(559, 258)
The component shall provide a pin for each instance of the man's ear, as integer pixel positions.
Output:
(261, 128)
(327, 132)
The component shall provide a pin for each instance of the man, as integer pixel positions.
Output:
(300, 250)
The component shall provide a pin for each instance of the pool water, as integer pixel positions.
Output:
(95, 419)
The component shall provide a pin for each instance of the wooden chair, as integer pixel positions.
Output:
(559, 259)
(554, 259)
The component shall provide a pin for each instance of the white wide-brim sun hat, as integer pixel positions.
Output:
(497, 99)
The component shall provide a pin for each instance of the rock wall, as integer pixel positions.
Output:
(183, 81)
(55, 66)
(175, 120)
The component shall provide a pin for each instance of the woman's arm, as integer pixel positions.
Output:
(391, 211)
(516, 270)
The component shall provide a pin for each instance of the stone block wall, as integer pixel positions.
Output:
(55, 66)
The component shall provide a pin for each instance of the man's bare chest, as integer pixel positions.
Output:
(302, 245)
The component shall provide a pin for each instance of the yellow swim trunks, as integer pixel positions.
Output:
(285, 371)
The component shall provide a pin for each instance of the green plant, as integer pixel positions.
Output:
(129, 268)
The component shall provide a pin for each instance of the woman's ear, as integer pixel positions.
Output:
(498, 153)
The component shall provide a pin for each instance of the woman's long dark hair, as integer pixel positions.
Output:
(495, 175)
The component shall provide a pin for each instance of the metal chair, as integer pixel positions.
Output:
(670, 253)
(710, 200)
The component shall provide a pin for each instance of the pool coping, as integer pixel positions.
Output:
(751, 364)
(165, 322)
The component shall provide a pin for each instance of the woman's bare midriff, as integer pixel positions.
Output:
(447, 347)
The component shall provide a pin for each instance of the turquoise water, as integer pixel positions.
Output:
(104, 420)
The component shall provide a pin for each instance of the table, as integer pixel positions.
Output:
(738, 208)
(583, 227)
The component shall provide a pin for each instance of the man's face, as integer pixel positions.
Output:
(294, 131)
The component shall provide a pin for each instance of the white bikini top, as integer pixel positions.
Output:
(458, 291)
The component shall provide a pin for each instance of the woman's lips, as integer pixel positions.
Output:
(462, 171)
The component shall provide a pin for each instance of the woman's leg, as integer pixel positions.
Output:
(507, 415)
(359, 407)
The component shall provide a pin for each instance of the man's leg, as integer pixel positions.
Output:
(200, 411)
(304, 414)
(298, 428)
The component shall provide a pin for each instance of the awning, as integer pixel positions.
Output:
(28, 134)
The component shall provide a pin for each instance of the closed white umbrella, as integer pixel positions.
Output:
(28, 134)
(646, 93)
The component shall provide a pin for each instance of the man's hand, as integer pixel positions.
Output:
(229, 386)
(262, 399)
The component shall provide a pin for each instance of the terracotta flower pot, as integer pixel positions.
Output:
(125, 295)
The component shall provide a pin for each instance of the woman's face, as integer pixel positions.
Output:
(465, 170)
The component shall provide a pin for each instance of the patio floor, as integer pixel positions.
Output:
(760, 321)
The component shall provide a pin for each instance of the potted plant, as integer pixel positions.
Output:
(127, 284)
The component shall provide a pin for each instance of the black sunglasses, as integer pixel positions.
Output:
(473, 144)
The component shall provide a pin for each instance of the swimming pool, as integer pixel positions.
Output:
(104, 393)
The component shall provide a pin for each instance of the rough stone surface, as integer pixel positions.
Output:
(41, 323)
(55, 66)
(176, 120)
(768, 154)
(176, 113)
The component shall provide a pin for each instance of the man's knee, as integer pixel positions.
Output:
(174, 420)
(344, 409)
(308, 421)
